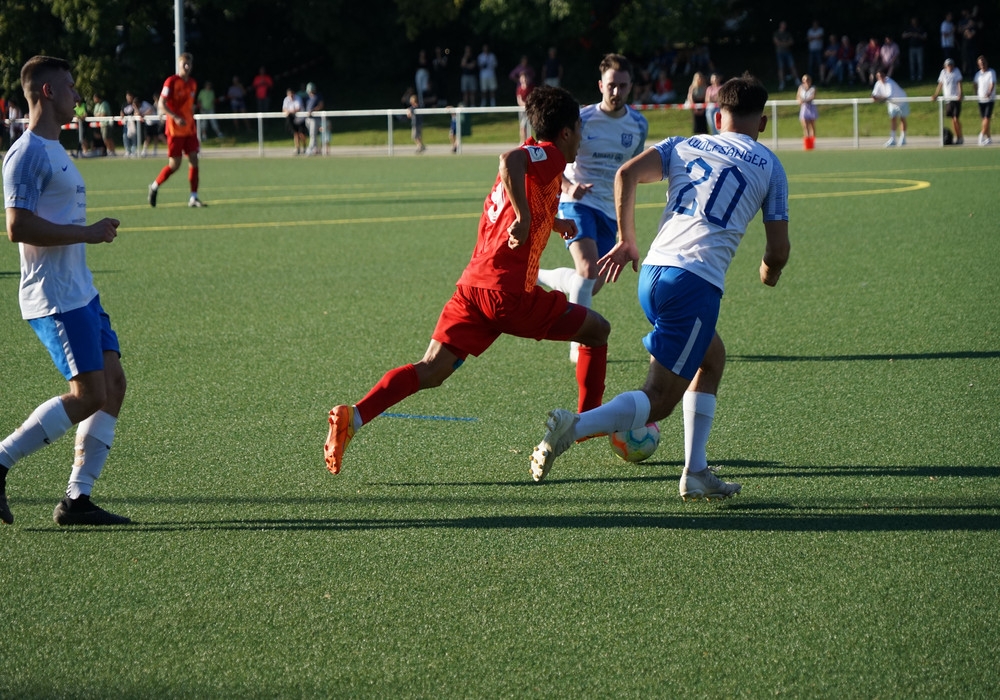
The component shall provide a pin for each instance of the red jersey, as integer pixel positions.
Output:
(494, 264)
(179, 94)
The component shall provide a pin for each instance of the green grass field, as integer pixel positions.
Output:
(860, 410)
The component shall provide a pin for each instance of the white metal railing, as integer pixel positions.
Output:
(458, 113)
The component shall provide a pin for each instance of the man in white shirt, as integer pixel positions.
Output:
(986, 92)
(46, 206)
(613, 133)
(717, 185)
(487, 62)
(887, 90)
(949, 86)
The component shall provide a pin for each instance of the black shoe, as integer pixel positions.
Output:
(152, 196)
(80, 511)
(5, 514)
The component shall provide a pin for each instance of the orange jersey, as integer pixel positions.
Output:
(178, 94)
(494, 264)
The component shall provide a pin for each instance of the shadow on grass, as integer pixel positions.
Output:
(753, 517)
(960, 355)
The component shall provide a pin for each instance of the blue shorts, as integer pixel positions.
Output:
(590, 223)
(683, 309)
(77, 339)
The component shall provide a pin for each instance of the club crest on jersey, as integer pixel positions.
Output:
(626, 140)
(536, 153)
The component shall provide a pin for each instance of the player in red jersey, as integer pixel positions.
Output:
(177, 103)
(497, 293)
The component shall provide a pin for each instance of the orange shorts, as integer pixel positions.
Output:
(473, 318)
(177, 146)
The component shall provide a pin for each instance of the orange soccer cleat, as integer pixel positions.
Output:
(341, 432)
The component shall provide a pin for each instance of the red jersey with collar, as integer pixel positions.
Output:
(494, 264)
(179, 94)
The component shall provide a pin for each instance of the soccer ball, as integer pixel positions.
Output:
(636, 445)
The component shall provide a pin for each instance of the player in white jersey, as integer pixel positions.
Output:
(613, 133)
(717, 184)
(46, 208)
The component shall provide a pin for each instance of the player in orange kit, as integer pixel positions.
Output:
(177, 103)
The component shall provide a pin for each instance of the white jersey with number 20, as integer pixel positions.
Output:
(717, 184)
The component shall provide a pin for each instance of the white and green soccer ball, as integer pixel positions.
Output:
(636, 445)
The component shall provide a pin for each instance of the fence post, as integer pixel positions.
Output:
(260, 134)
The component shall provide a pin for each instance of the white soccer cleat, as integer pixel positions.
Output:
(558, 438)
(890, 143)
(705, 484)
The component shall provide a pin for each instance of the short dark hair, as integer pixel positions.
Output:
(38, 70)
(550, 110)
(615, 61)
(743, 96)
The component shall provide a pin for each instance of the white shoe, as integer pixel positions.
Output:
(890, 143)
(902, 141)
(195, 203)
(987, 141)
(705, 484)
(574, 351)
(558, 438)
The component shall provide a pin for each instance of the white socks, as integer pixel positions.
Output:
(558, 278)
(699, 412)
(93, 442)
(626, 411)
(45, 425)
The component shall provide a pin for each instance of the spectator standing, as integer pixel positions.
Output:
(524, 88)
(130, 125)
(487, 63)
(915, 37)
(3, 117)
(888, 90)
(416, 123)
(102, 108)
(422, 77)
(712, 100)
(80, 117)
(522, 68)
(262, 85)
(439, 75)
(814, 40)
(552, 69)
(237, 96)
(205, 102)
(829, 68)
(949, 86)
(291, 107)
(695, 101)
(806, 96)
(14, 116)
(888, 56)
(969, 30)
(177, 103)
(867, 56)
(469, 70)
(314, 103)
(155, 122)
(986, 93)
(948, 37)
(783, 42)
(845, 61)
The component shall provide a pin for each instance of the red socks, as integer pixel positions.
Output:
(193, 178)
(591, 367)
(395, 385)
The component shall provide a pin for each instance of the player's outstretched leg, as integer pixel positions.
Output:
(705, 484)
(341, 432)
(558, 438)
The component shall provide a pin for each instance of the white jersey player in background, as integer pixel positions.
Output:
(613, 133)
(717, 184)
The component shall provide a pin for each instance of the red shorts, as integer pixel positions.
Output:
(473, 318)
(177, 146)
